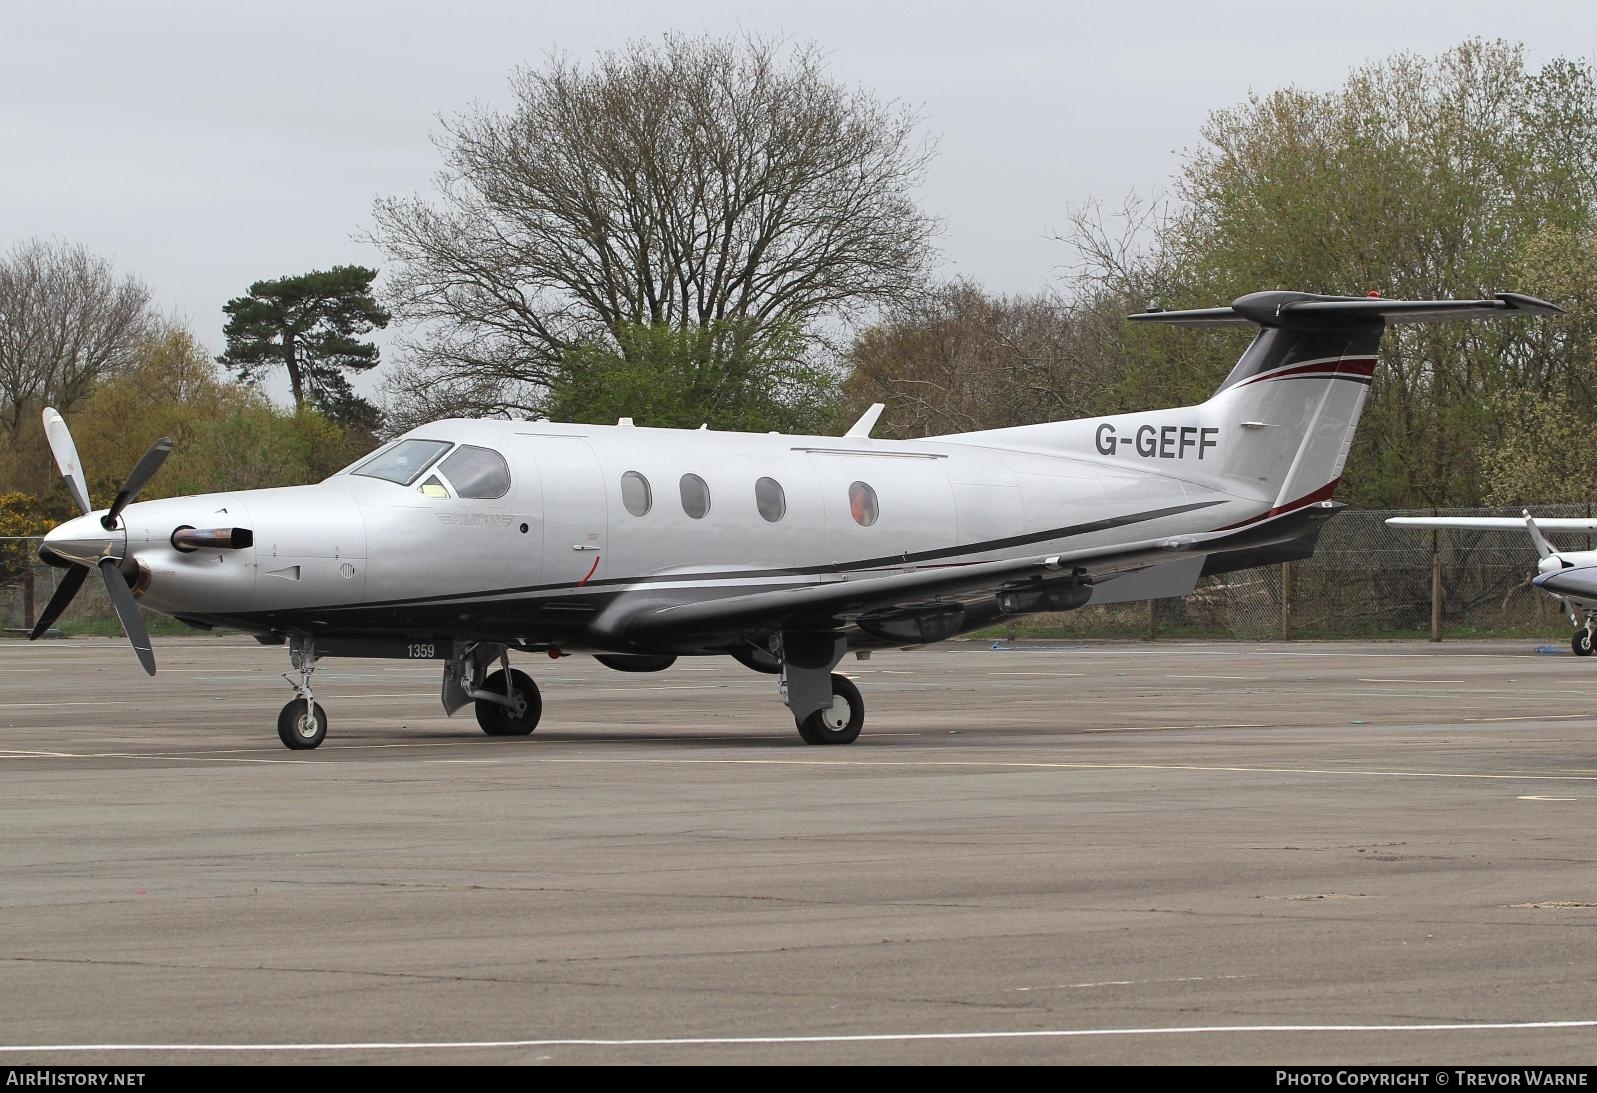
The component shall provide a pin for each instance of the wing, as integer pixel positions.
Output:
(905, 606)
(1488, 523)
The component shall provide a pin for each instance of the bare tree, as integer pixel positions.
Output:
(690, 183)
(65, 321)
(959, 359)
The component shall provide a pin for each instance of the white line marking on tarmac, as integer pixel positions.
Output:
(1020, 765)
(855, 765)
(1129, 982)
(859, 1038)
(1213, 677)
(1538, 797)
(1535, 717)
(1419, 681)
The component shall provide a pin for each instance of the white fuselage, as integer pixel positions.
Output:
(563, 525)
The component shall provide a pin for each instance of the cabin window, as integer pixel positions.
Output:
(404, 462)
(770, 499)
(480, 473)
(635, 493)
(695, 496)
(862, 504)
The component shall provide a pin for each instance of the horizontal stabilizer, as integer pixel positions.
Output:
(1307, 311)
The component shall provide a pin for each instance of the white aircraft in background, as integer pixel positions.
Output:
(1569, 576)
(462, 540)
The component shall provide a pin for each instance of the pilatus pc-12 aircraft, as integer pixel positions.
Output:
(463, 540)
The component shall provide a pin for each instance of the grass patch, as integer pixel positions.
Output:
(92, 627)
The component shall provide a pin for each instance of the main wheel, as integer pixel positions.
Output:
(1582, 642)
(302, 729)
(838, 723)
(497, 720)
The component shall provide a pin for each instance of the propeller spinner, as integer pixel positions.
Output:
(100, 542)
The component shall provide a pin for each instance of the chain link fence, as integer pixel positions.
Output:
(1366, 580)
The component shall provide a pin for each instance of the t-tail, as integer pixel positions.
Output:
(1278, 430)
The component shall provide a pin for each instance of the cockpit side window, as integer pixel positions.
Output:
(403, 462)
(433, 487)
(480, 473)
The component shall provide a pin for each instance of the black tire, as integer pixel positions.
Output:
(1581, 642)
(828, 726)
(299, 732)
(497, 720)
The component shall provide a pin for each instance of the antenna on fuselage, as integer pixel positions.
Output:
(867, 421)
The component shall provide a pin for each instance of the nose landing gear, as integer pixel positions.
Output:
(302, 724)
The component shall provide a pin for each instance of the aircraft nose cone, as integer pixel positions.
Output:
(1550, 564)
(85, 541)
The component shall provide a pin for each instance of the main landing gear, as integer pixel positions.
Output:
(827, 708)
(506, 701)
(1585, 633)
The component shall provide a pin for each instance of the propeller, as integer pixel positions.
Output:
(109, 565)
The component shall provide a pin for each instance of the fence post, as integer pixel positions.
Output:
(1436, 591)
(27, 594)
(1153, 619)
(1286, 601)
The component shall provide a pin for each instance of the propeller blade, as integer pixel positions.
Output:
(128, 611)
(1543, 547)
(143, 471)
(66, 457)
(71, 581)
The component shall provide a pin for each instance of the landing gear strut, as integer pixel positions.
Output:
(302, 724)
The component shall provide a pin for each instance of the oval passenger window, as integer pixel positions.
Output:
(770, 499)
(862, 504)
(695, 496)
(635, 493)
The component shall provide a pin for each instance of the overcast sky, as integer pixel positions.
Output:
(202, 146)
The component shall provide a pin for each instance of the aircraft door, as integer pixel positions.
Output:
(574, 511)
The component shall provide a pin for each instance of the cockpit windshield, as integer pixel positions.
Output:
(403, 462)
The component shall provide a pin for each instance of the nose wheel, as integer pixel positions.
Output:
(302, 725)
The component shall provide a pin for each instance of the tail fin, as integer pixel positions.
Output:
(1279, 428)
(1289, 408)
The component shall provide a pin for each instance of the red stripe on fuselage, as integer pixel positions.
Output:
(1364, 368)
(1322, 494)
